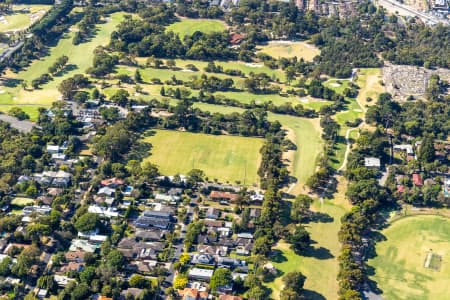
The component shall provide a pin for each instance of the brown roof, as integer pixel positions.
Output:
(236, 38)
(112, 181)
(213, 223)
(55, 191)
(74, 255)
(417, 179)
(47, 200)
(223, 195)
(192, 293)
(229, 297)
(71, 266)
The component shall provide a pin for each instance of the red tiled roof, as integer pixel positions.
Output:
(236, 38)
(192, 293)
(74, 255)
(115, 181)
(401, 188)
(229, 297)
(223, 195)
(417, 179)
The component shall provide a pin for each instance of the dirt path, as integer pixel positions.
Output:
(347, 150)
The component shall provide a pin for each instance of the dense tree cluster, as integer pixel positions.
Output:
(367, 196)
(69, 86)
(421, 45)
(87, 25)
(19, 154)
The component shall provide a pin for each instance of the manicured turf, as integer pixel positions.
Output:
(290, 49)
(369, 81)
(227, 158)
(80, 58)
(20, 201)
(319, 265)
(189, 26)
(305, 133)
(400, 260)
(22, 16)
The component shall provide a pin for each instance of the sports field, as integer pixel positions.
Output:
(401, 268)
(189, 26)
(288, 49)
(21, 17)
(226, 158)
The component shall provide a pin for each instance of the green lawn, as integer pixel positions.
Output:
(369, 80)
(290, 49)
(80, 58)
(400, 259)
(319, 264)
(21, 201)
(22, 16)
(226, 158)
(305, 133)
(189, 26)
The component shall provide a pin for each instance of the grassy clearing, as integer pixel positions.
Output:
(290, 49)
(21, 17)
(319, 265)
(226, 158)
(189, 26)
(80, 58)
(369, 81)
(399, 262)
(21, 201)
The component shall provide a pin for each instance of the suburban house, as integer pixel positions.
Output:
(212, 213)
(417, 179)
(219, 196)
(193, 294)
(372, 162)
(203, 258)
(200, 274)
(109, 212)
(112, 182)
(152, 218)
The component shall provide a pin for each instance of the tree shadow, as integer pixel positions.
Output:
(149, 133)
(140, 151)
(372, 284)
(313, 295)
(319, 253)
(11, 82)
(320, 217)
(278, 256)
(68, 68)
